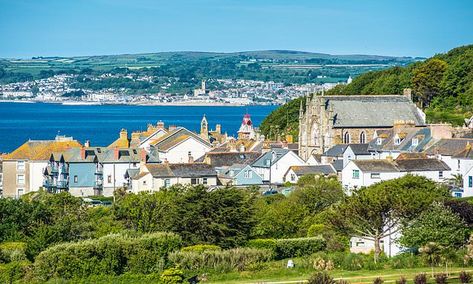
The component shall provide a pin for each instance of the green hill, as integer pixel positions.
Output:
(442, 85)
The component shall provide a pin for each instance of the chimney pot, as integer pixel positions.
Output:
(116, 153)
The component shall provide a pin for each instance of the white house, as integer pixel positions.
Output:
(152, 177)
(181, 146)
(359, 173)
(389, 245)
(272, 165)
(295, 172)
(449, 151)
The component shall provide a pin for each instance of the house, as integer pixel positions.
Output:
(274, 164)
(295, 172)
(239, 175)
(23, 168)
(141, 139)
(447, 150)
(389, 245)
(181, 146)
(465, 169)
(226, 159)
(152, 177)
(356, 152)
(360, 173)
(330, 120)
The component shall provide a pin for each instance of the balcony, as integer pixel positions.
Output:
(54, 169)
(61, 184)
(99, 171)
(98, 184)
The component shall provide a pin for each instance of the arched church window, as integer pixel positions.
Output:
(346, 138)
(362, 137)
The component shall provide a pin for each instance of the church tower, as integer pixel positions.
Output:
(204, 128)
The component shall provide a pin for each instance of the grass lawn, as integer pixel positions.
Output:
(299, 275)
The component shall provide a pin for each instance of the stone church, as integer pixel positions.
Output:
(331, 120)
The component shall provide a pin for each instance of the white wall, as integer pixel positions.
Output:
(146, 145)
(117, 172)
(180, 152)
(155, 184)
(389, 245)
(282, 165)
(81, 191)
(36, 177)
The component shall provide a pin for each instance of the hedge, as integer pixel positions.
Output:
(110, 255)
(287, 248)
(201, 248)
(220, 261)
(12, 251)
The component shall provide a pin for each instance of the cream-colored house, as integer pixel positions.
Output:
(24, 167)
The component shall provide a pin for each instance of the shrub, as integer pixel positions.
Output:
(220, 261)
(201, 248)
(109, 255)
(172, 276)
(441, 278)
(420, 279)
(402, 280)
(321, 278)
(353, 261)
(465, 277)
(288, 248)
(12, 251)
(405, 260)
(378, 280)
(13, 271)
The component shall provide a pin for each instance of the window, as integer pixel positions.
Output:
(293, 177)
(20, 179)
(109, 179)
(204, 180)
(356, 174)
(194, 181)
(458, 164)
(362, 137)
(20, 191)
(268, 162)
(379, 141)
(76, 179)
(397, 141)
(458, 194)
(1, 179)
(134, 164)
(375, 175)
(346, 138)
(470, 181)
(415, 142)
(232, 173)
(167, 182)
(440, 174)
(144, 182)
(20, 165)
(248, 174)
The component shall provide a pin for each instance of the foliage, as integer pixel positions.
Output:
(12, 251)
(13, 271)
(378, 280)
(437, 224)
(441, 278)
(287, 248)
(402, 280)
(420, 278)
(462, 208)
(172, 276)
(237, 259)
(321, 278)
(465, 277)
(283, 120)
(109, 255)
(379, 210)
(200, 248)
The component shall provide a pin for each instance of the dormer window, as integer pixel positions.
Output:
(415, 142)
(268, 162)
(379, 141)
(397, 140)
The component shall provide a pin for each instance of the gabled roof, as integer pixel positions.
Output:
(320, 169)
(221, 159)
(407, 133)
(376, 165)
(449, 147)
(467, 153)
(40, 149)
(175, 137)
(336, 151)
(189, 170)
(359, 149)
(401, 165)
(337, 165)
(278, 154)
(371, 111)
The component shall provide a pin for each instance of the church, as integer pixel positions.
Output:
(331, 120)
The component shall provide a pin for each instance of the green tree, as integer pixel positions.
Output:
(426, 80)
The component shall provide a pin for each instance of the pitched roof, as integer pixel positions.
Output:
(190, 170)
(402, 165)
(422, 134)
(40, 149)
(320, 169)
(336, 151)
(371, 111)
(278, 154)
(175, 137)
(467, 153)
(376, 165)
(449, 147)
(337, 165)
(360, 149)
(222, 159)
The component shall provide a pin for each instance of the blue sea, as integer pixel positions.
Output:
(101, 123)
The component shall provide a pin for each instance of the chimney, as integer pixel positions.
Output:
(160, 125)
(144, 155)
(242, 148)
(172, 127)
(82, 153)
(441, 131)
(289, 138)
(87, 144)
(389, 158)
(116, 153)
(135, 139)
(407, 93)
(218, 128)
(123, 134)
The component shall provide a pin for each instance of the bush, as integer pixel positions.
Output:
(405, 260)
(321, 278)
(441, 278)
(13, 271)
(172, 276)
(201, 248)
(109, 255)
(402, 280)
(220, 261)
(465, 277)
(12, 251)
(288, 248)
(420, 279)
(378, 280)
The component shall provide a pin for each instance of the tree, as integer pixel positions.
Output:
(378, 211)
(437, 225)
(426, 80)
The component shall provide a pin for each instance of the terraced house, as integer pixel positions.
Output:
(24, 167)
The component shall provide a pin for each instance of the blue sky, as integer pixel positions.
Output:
(86, 27)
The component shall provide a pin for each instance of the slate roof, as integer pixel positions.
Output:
(192, 170)
(336, 151)
(338, 165)
(222, 159)
(467, 153)
(107, 155)
(448, 147)
(261, 161)
(403, 165)
(40, 149)
(360, 149)
(176, 136)
(423, 135)
(371, 111)
(375, 165)
(321, 169)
